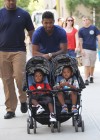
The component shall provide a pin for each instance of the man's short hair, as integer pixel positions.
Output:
(88, 17)
(48, 14)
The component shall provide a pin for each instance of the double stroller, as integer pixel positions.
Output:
(52, 71)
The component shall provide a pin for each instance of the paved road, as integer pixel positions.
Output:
(15, 128)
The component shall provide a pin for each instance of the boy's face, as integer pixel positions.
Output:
(86, 22)
(38, 77)
(66, 73)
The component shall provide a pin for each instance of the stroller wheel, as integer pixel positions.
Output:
(82, 127)
(31, 122)
(58, 126)
(34, 127)
(76, 126)
(73, 121)
(52, 127)
(28, 127)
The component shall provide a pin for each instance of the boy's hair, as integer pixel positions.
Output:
(39, 70)
(48, 14)
(88, 17)
(68, 67)
(60, 19)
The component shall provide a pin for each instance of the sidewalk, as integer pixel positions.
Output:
(16, 128)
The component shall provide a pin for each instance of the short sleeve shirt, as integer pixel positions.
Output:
(89, 37)
(49, 44)
(12, 27)
(71, 39)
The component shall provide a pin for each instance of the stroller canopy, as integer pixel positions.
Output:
(38, 62)
(64, 60)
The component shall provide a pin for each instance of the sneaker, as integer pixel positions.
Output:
(24, 107)
(40, 109)
(91, 80)
(64, 109)
(52, 117)
(86, 82)
(74, 109)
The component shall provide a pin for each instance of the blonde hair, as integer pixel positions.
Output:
(88, 17)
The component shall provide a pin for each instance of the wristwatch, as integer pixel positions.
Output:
(50, 54)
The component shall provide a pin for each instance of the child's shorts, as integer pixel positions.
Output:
(44, 98)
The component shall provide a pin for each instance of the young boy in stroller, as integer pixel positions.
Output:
(39, 84)
(67, 81)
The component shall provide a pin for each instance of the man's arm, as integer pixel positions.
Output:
(36, 52)
(63, 50)
(98, 37)
(81, 44)
(30, 34)
(81, 47)
(77, 41)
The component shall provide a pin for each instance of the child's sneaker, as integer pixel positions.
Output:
(52, 117)
(40, 109)
(74, 109)
(64, 109)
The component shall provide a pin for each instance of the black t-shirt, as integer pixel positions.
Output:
(12, 29)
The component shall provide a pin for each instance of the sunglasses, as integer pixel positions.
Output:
(70, 20)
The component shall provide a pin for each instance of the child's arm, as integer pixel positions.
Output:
(31, 87)
(48, 86)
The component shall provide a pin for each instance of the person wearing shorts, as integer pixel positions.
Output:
(88, 36)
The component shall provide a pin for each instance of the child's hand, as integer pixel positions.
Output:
(64, 84)
(56, 87)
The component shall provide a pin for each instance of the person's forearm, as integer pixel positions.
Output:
(57, 53)
(36, 53)
(30, 34)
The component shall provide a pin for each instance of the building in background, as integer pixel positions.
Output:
(62, 11)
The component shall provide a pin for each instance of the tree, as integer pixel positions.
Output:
(24, 4)
(35, 5)
(1, 3)
(29, 5)
(21, 3)
(92, 4)
(71, 5)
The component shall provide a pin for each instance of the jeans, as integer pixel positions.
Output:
(71, 53)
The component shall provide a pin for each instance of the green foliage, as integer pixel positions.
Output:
(72, 4)
(23, 3)
(1, 3)
(29, 5)
(35, 5)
